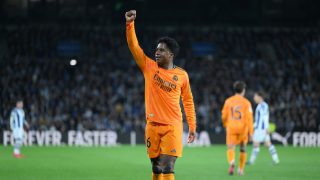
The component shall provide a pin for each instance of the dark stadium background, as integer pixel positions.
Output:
(272, 45)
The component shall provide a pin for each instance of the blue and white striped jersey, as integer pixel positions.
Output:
(261, 121)
(17, 119)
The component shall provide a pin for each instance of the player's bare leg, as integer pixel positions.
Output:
(231, 158)
(167, 163)
(273, 152)
(243, 158)
(255, 152)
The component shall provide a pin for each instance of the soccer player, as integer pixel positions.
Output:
(17, 120)
(165, 84)
(261, 129)
(238, 121)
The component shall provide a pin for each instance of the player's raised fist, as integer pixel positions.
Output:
(131, 15)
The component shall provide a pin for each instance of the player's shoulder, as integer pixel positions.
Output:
(14, 111)
(180, 70)
(246, 101)
(230, 99)
(181, 73)
(151, 62)
(264, 105)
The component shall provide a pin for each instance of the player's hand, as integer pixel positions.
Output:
(250, 138)
(131, 15)
(268, 132)
(26, 127)
(191, 137)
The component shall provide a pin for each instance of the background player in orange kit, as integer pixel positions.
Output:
(238, 121)
(165, 84)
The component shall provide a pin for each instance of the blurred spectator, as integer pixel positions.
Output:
(105, 90)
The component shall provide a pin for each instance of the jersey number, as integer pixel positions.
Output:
(148, 143)
(235, 113)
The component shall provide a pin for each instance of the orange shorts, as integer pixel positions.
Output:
(234, 138)
(163, 139)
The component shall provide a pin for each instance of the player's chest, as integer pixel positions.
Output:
(19, 112)
(166, 81)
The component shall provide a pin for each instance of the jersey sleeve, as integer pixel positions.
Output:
(267, 118)
(25, 122)
(12, 118)
(256, 117)
(250, 118)
(224, 114)
(188, 104)
(139, 56)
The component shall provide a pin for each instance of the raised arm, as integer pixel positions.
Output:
(188, 105)
(138, 54)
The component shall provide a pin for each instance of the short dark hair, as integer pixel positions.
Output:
(171, 43)
(239, 86)
(262, 94)
(16, 100)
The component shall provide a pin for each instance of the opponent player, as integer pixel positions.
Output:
(165, 83)
(237, 119)
(17, 120)
(261, 127)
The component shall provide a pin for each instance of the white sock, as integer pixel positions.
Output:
(254, 154)
(17, 145)
(16, 151)
(273, 154)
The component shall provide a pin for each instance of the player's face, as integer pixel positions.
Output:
(163, 55)
(256, 98)
(20, 104)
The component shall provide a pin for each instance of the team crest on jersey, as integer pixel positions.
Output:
(175, 77)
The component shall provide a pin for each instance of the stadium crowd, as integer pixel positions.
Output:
(105, 90)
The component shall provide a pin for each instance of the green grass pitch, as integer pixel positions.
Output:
(131, 163)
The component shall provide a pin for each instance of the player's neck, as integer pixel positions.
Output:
(167, 66)
(239, 94)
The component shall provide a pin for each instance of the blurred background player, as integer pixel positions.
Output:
(237, 119)
(17, 121)
(261, 129)
(165, 84)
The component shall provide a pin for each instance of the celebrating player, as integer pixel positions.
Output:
(261, 127)
(165, 83)
(17, 120)
(237, 119)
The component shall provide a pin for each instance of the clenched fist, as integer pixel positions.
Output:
(131, 15)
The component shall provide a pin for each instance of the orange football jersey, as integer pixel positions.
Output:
(163, 88)
(237, 115)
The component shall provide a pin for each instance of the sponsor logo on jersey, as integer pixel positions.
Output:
(163, 84)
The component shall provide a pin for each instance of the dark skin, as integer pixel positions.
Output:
(163, 55)
(164, 58)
